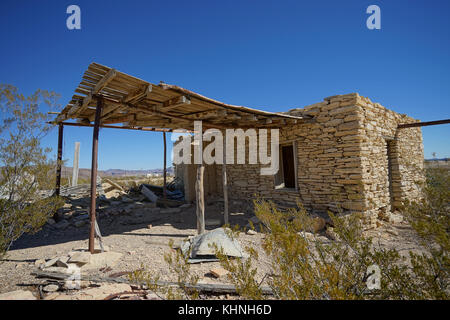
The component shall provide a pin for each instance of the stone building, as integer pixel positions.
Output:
(345, 153)
(350, 157)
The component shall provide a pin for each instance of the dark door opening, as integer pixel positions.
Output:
(390, 152)
(288, 166)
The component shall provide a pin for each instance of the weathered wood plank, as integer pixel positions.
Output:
(225, 184)
(201, 287)
(200, 199)
(98, 87)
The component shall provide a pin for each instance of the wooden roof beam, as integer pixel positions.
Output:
(121, 127)
(175, 102)
(118, 119)
(108, 110)
(109, 76)
(111, 107)
(250, 117)
(131, 120)
(114, 112)
(135, 97)
(169, 116)
(422, 124)
(208, 114)
(234, 116)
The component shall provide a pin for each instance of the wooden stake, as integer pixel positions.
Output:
(200, 199)
(76, 159)
(94, 164)
(224, 183)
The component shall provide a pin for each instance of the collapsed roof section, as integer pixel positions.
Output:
(133, 103)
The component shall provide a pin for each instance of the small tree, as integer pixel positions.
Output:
(24, 166)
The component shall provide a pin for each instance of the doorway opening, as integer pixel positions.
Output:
(390, 150)
(286, 178)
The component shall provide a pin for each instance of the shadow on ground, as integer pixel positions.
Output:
(117, 217)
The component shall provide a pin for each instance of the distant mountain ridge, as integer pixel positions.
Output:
(86, 173)
(122, 172)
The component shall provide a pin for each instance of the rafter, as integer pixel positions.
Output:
(134, 97)
(78, 109)
(142, 94)
(170, 116)
(175, 102)
(208, 114)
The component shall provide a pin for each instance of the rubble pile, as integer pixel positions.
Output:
(79, 260)
(114, 200)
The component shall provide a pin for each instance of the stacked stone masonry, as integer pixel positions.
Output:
(350, 158)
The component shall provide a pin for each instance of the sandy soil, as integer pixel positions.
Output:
(141, 245)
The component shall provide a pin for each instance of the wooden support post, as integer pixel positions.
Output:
(76, 159)
(164, 170)
(59, 159)
(200, 199)
(224, 183)
(98, 113)
(59, 164)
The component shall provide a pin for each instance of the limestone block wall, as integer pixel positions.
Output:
(343, 161)
(385, 148)
(328, 166)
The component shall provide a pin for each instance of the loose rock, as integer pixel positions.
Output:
(219, 272)
(39, 262)
(80, 258)
(50, 288)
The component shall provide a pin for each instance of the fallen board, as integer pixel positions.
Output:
(215, 288)
(150, 195)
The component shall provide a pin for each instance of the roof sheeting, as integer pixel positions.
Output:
(137, 103)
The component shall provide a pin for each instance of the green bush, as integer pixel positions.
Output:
(24, 167)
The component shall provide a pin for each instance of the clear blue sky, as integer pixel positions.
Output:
(272, 55)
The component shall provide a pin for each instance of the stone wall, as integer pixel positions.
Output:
(382, 145)
(342, 160)
(328, 163)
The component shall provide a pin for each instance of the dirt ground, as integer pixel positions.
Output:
(142, 235)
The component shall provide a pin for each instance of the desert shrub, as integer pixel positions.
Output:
(303, 266)
(430, 218)
(352, 265)
(306, 268)
(24, 165)
(184, 287)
